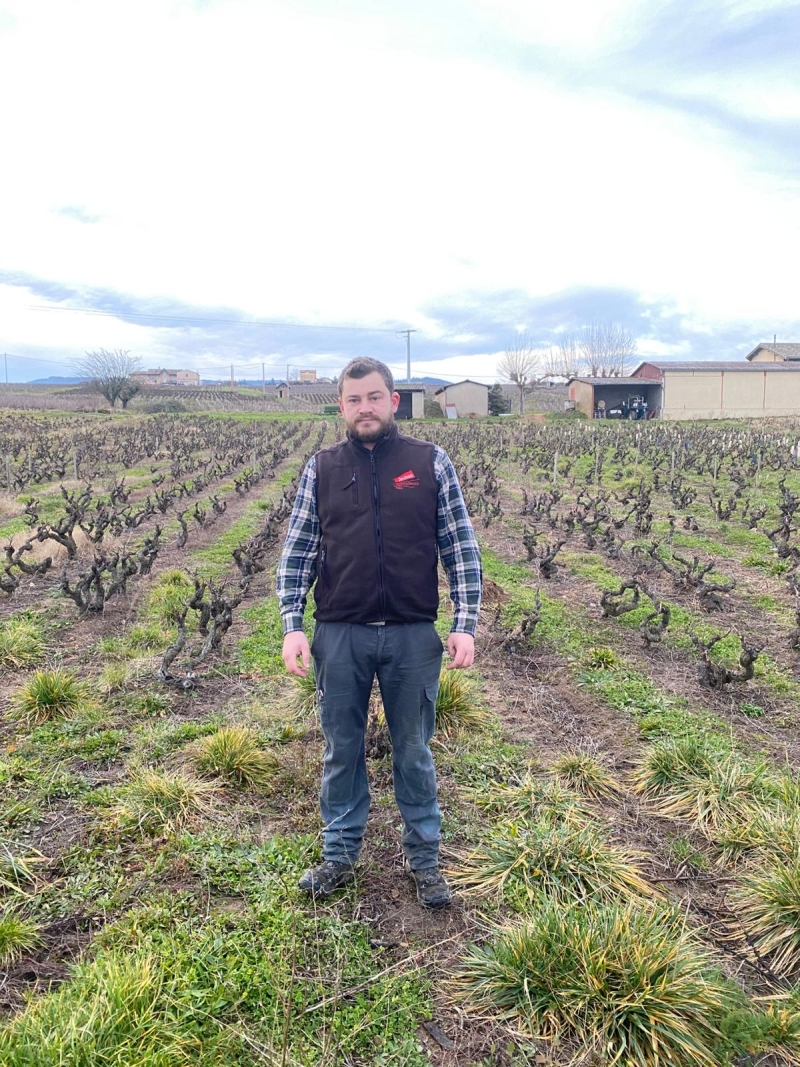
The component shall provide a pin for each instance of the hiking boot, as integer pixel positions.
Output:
(327, 878)
(432, 890)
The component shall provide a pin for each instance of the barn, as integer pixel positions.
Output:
(467, 398)
(721, 389)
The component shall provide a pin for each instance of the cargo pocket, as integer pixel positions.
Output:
(428, 711)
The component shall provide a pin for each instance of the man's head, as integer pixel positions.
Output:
(367, 399)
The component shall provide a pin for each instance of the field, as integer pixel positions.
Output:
(618, 774)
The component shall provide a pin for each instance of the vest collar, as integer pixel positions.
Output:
(381, 444)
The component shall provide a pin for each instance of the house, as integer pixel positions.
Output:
(166, 377)
(777, 352)
(467, 398)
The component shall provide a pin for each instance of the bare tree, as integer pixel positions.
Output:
(605, 349)
(563, 360)
(109, 373)
(519, 364)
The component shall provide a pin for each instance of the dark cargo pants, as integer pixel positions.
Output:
(407, 659)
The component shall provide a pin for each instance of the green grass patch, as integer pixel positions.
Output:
(302, 985)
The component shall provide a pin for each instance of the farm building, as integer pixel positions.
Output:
(412, 401)
(166, 377)
(467, 397)
(782, 352)
(699, 389)
(614, 397)
(725, 390)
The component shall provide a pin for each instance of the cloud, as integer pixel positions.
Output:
(457, 168)
(78, 213)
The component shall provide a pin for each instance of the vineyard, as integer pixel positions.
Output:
(618, 775)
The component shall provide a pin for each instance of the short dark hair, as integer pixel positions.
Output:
(361, 367)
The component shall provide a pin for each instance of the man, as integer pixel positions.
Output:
(373, 515)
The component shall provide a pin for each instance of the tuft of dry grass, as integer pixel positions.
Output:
(18, 936)
(586, 773)
(234, 755)
(49, 694)
(567, 860)
(620, 982)
(457, 707)
(769, 907)
(154, 803)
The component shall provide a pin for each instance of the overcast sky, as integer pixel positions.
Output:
(245, 181)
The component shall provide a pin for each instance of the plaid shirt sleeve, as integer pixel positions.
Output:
(458, 546)
(296, 570)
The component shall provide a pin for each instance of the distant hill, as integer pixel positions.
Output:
(56, 379)
(255, 383)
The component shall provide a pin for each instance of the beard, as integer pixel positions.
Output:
(375, 431)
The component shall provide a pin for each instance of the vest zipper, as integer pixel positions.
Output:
(379, 539)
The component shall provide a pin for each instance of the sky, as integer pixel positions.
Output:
(292, 183)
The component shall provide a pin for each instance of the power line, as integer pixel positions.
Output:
(36, 359)
(214, 321)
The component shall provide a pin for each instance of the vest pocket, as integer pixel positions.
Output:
(352, 485)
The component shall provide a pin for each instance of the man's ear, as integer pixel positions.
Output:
(395, 401)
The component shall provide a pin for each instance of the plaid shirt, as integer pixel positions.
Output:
(458, 548)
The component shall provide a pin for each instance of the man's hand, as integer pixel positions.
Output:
(295, 646)
(461, 648)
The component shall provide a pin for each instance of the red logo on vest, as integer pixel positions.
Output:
(409, 480)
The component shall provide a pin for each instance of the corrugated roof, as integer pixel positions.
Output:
(784, 349)
(711, 365)
(626, 380)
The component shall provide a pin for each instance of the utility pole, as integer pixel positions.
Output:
(407, 335)
(231, 377)
(263, 381)
(5, 360)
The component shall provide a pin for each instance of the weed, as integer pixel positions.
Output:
(49, 694)
(115, 1010)
(17, 872)
(624, 982)
(602, 659)
(22, 641)
(682, 778)
(456, 706)
(304, 700)
(154, 803)
(564, 860)
(682, 853)
(151, 704)
(18, 936)
(587, 774)
(752, 711)
(233, 754)
(167, 598)
(769, 903)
